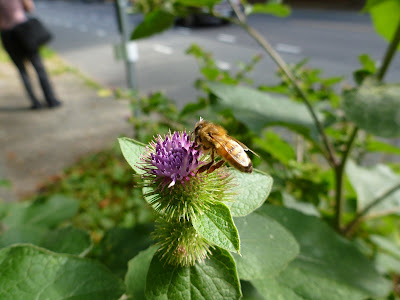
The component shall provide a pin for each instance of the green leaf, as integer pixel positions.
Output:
(28, 272)
(385, 16)
(305, 207)
(47, 213)
(257, 109)
(368, 68)
(374, 108)
(275, 9)
(217, 227)
(371, 183)
(367, 63)
(266, 247)
(386, 263)
(64, 240)
(380, 146)
(386, 245)
(22, 234)
(328, 266)
(121, 244)
(215, 278)
(250, 192)
(132, 151)
(276, 146)
(67, 240)
(154, 22)
(138, 267)
(198, 3)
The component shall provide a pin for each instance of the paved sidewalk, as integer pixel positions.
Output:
(37, 144)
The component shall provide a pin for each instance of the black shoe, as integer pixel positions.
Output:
(35, 106)
(54, 104)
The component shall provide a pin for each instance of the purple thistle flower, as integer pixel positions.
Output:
(172, 159)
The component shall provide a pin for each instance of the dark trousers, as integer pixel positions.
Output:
(19, 56)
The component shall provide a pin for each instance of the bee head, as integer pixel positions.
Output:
(199, 125)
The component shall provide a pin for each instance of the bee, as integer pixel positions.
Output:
(214, 138)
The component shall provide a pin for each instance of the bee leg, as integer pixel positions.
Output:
(207, 166)
(216, 166)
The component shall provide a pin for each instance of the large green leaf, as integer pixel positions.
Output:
(371, 183)
(132, 151)
(266, 247)
(28, 272)
(216, 226)
(250, 192)
(215, 278)
(275, 145)
(328, 266)
(385, 16)
(64, 240)
(374, 108)
(23, 234)
(45, 213)
(138, 267)
(257, 109)
(67, 240)
(154, 22)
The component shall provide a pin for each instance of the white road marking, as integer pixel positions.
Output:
(223, 65)
(226, 38)
(285, 48)
(163, 49)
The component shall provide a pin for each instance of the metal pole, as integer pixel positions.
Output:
(121, 6)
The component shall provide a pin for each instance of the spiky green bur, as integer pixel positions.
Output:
(180, 244)
(185, 201)
(180, 195)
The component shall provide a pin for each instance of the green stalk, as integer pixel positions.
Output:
(262, 41)
(390, 52)
(339, 177)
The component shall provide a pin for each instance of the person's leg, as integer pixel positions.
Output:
(44, 81)
(18, 61)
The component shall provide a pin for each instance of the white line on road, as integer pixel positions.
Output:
(163, 49)
(223, 65)
(226, 38)
(285, 48)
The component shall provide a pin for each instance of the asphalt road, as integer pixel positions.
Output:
(85, 35)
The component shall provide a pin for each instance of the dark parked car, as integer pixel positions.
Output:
(201, 17)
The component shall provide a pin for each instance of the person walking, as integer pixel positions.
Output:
(13, 13)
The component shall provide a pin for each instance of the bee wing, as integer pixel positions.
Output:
(245, 148)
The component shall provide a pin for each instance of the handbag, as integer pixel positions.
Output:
(32, 34)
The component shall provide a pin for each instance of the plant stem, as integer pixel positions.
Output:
(391, 50)
(339, 176)
(262, 41)
(359, 216)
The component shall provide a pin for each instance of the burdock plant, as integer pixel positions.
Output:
(195, 231)
(180, 194)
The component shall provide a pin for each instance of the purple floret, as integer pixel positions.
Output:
(172, 159)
